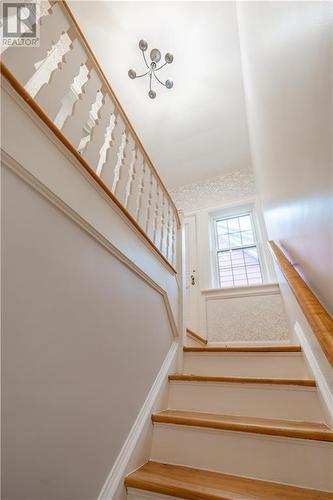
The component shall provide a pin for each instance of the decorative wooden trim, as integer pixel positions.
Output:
(4, 71)
(197, 484)
(196, 336)
(272, 348)
(115, 99)
(317, 316)
(269, 426)
(243, 380)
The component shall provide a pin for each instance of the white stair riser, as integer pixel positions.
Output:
(286, 365)
(297, 462)
(135, 494)
(255, 400)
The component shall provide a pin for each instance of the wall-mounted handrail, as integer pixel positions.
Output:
(64, 84)
(317, 316)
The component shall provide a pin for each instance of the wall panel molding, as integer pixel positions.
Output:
(28, 178)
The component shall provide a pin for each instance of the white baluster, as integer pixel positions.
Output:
(150, 224)
(49, 97)
(106, 145)
(133, 202)
(131, 176)
(169, 234)
(73, 127)
(174, 233)
(93, 149)
(144, 196)
(109, 172)
(124, 169)
(22, 61)
(163, 222)
(157, 215)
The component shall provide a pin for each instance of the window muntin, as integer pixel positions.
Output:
(237, 255)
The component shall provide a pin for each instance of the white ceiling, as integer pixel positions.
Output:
(198, 129)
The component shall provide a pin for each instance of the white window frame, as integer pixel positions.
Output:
(235, 211)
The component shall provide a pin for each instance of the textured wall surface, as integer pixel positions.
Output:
(232, 186)
(247, 319)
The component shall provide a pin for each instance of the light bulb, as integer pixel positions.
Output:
(155, 55)
(132, 73)
(168, 57)
(143, 45)
(169, 83)
(152, 94)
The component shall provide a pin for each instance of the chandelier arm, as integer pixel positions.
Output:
(144, 74)
(159, 79)
(157, 69)
(150, 75)
(145, 60)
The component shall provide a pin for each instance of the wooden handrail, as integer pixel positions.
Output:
(5, 72)
(319, 319)
(114, 97)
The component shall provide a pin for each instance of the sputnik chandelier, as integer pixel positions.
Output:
(155, 56)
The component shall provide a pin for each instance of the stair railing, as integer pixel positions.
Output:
(63, 83)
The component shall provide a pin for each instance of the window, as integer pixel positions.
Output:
(237, 255)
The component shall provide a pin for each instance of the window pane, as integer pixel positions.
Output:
(241, 283)
(235, 240)
(233, 225)
(223, 242)
(245, 223)
(237, 258)
(224, 259)
(222, 227)
(247, 238)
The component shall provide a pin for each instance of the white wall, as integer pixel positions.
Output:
(89, 314)
(80, 352)
(287, 62)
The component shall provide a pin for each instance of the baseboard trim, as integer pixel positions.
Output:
(322, 384)
(119, 468)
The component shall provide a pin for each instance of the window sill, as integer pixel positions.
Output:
(241, 291)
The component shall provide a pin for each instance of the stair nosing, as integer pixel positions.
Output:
(245, 349)
(250, 427)
(187, 488)
(242, 380)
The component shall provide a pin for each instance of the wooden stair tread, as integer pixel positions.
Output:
(274, 427)
(195, 336)
(197, 484)
(242, 380)
(272, 348)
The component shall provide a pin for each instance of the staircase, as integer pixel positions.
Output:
(242, 423)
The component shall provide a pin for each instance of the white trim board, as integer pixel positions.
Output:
(256, 343)
(39, 187)
(110, 489)
(323, 386)
(242, 291)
